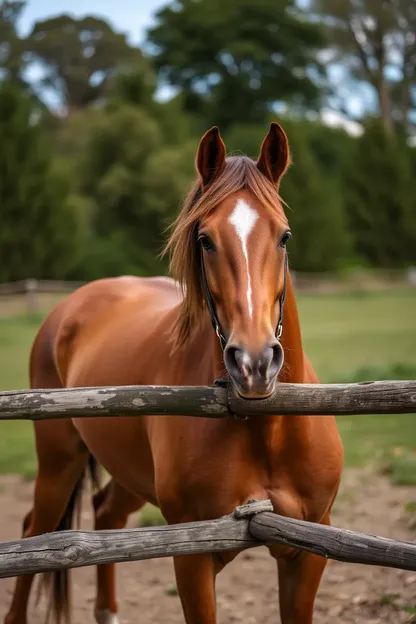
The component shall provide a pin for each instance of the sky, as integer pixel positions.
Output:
(133, 17)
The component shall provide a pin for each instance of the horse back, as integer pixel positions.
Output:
(99, 312)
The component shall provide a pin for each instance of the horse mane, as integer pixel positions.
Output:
(240, 172)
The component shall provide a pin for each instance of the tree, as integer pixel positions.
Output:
(234, 60)
(316, 213)
(376, 41)
(78, 57)
(39, 229)
(136, 85)
(11, 48)
(380, 199)
(130, 184)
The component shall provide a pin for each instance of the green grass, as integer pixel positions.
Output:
(150, 516)
(347, 338)
(16, 439)
(343, 333)
(16, 337)
(358, 337)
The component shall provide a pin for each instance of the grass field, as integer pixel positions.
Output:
(346, 336)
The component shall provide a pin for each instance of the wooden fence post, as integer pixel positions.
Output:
(31, 290)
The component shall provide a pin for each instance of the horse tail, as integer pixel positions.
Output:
(56, 584)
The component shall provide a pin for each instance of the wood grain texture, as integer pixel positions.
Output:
(246, 527)
(210, 401)
(333, 543)
(371, 397)
(378, 397)
(74, 549)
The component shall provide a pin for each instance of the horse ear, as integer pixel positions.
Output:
(274, 156)
(210, 160)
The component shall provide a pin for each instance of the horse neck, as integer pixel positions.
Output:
(294, 367)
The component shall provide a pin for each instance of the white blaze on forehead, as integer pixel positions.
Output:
(243, 219)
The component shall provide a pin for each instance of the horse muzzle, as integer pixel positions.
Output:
(254, 376)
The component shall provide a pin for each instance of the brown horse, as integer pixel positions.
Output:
(228, 253)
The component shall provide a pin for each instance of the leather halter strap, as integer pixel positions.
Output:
(210, 302)
(211, 305)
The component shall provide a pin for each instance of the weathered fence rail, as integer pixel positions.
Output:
(42, 286)
(376, 279)
(381, 397)
(249, 526)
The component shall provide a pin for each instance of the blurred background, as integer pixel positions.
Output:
(102, 105)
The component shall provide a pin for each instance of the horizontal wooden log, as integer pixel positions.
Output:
(75, 549)
(369, 397)
(248, 526)
(39, 286)
(378, 397)
(333, 543)
(113, 401)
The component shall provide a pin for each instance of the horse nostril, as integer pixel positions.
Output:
(277, 360)
(265, 361)
(238, 362)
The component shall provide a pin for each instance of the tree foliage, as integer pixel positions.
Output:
(39, 230)
(78, 56)
(233, 60)
(11, 47)
(131, 183)
(380, 199)
(315, 209)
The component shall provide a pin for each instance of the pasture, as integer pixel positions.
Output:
(348, 337)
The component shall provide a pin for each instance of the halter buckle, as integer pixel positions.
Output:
(279, 331)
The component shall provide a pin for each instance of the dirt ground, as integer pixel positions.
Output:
(247, 589)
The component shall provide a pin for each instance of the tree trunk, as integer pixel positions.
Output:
(385, 106)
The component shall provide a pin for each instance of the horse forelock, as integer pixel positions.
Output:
(239, 173)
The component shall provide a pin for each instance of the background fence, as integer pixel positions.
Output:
(357, 280)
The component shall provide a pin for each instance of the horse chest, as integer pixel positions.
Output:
(230, 463)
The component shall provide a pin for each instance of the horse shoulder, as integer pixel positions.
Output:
(95, 311)
(81, 313)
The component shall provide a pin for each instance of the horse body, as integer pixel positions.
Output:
(124, 331)
(179, 462)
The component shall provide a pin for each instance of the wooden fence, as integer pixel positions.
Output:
(249, 525)
(359, 280)
(374, 397)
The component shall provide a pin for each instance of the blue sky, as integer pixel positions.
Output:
(130, 16)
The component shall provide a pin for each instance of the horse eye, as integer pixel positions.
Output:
(206, 243)
(286, 236)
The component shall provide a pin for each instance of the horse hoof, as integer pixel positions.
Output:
(105, 616)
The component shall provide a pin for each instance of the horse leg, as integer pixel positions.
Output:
(113, 505)
(299, 580)
(195, 580)
(56, 481)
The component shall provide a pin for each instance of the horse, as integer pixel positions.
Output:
(220, 314)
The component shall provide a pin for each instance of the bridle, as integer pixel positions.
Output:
(211, 306)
